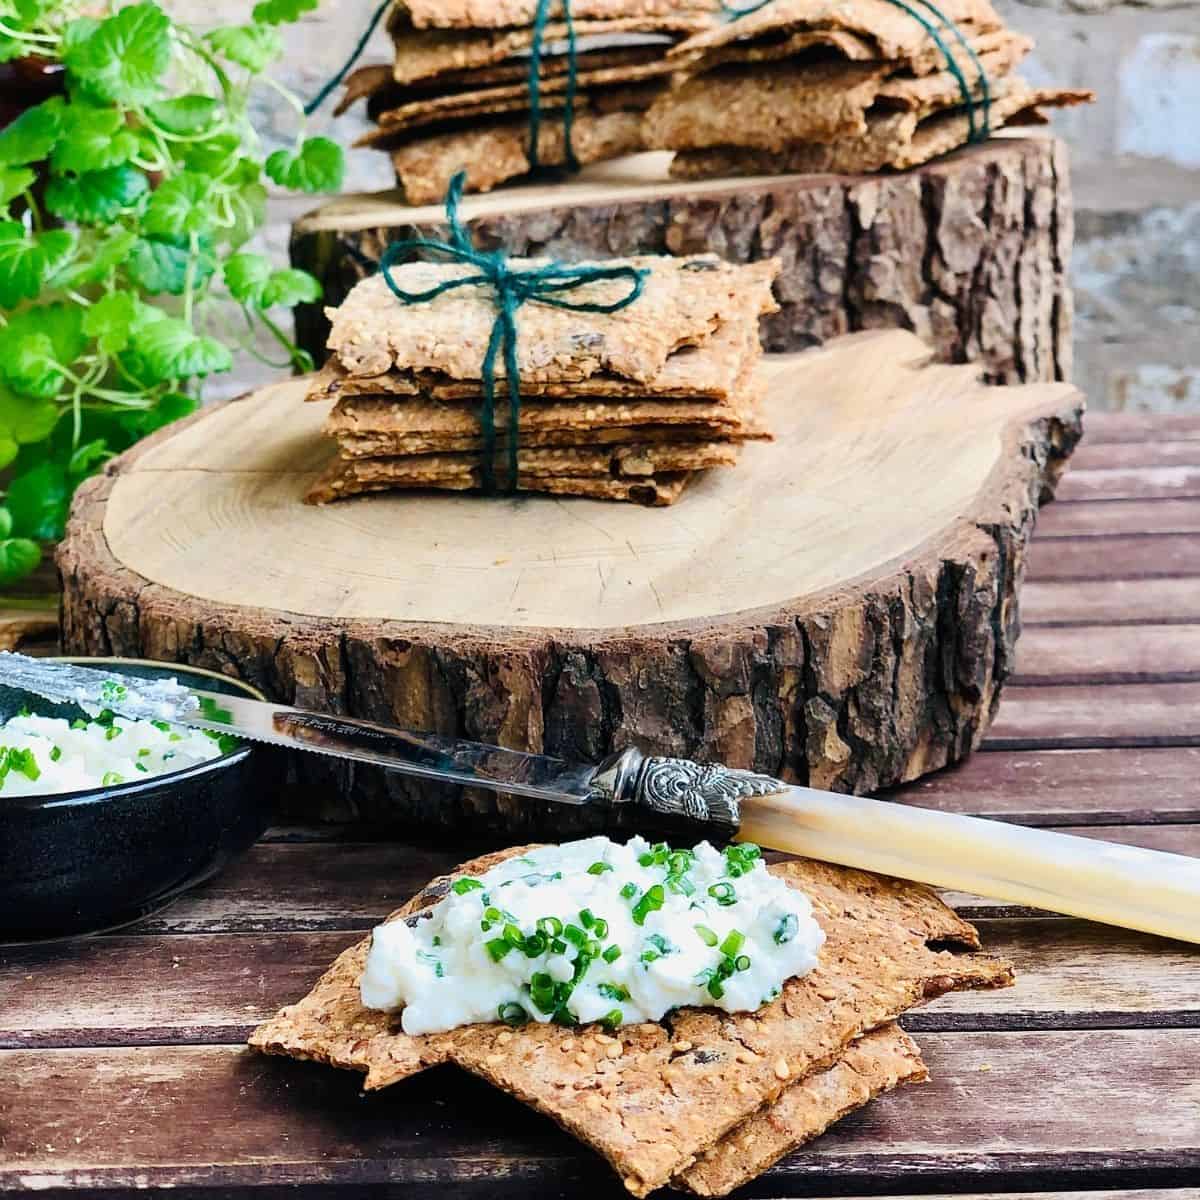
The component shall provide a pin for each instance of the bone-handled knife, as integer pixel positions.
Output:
(1148, 890)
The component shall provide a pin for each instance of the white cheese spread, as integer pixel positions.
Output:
(595, 931)
(41, 756)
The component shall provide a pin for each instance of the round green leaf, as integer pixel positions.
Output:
(92, 139)
(282, 12)
(169, 349)
(290, 287)
(122, 59)
(110, 321)
(318, 166)
(38, 500)
(254, 47)
(97, 259)
(26, 419)
(32, 135)
(159, 264)
(245, 276)
(96, 196)
(184, 114)
(19, 557)
(14, 181)
(179, 205)
(28, 261)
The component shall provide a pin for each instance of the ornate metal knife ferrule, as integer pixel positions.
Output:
(703, 796)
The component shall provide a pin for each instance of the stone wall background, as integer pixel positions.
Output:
(1136, 163)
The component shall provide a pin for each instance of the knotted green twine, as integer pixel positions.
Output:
(979, 111)
(540, 21)
(511, 289)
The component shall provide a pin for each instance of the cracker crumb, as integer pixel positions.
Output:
(568, 1044)
(682, 1047)
(827, 993)
(494, 1060)
(584, 1062)
(782, 1070)
(503, 1038)
(613, 1051)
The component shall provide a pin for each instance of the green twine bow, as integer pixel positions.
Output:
(540, 20)
(977, 129)
(511, 289)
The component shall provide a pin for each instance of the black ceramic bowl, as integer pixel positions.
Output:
(80, 862)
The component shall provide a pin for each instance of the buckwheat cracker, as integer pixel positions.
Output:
(815, 101)
(423, 54)
(892, 32)
(877, 1062)
(495, 14)
(894, 140)
(653, 1097)
(378, 415)
(682, 303)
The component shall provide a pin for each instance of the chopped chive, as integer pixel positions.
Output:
(144, 752)
(79, 723)
(716, 989)
(681, 885)
(558, 946)
(112, 731)
(612, 953)
(723, 893)
(613, 991)
(600, 927)
(649, 956)
(598, 868)
(498, 948)
(145, 770)
(550, 926)
(742, 962)
(646, 860)
(512, 1013)
(435, 940)
(462, 886)
(111, 777)
(787, 929)
(535, 945)
(161, 726)
(661, 944)
(55, 753)
(629, 891)
(731, 946)
(575, 936)
(586, 919)
(706, 935)
(652, 900)
(612, 1019)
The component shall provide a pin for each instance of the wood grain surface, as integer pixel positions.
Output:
(121, 1068)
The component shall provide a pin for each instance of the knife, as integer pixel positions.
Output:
(1147, 890)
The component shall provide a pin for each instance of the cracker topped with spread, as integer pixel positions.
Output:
(703, 1097)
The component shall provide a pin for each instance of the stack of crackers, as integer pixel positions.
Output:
(618, 406)
(458, 92)
(705, 1100)
(843, 86)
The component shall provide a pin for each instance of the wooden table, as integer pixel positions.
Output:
(122, 1064)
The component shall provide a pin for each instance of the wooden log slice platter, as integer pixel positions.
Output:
(969, 252)
(841, 608)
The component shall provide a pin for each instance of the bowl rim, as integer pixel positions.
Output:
(99, 795)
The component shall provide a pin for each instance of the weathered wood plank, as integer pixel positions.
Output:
(1068, 787)
(1092, 456)
(1103, 518)
(1108, 427)
(1139, 557)
(219, 1117)
(1111, 602)
(1124, 654)
(1131, 483)
(1126, 714)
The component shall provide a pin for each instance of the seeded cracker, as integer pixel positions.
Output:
(875, 1063)
(495, 14)
(896, 140)
(668, 1092)
(682, 303)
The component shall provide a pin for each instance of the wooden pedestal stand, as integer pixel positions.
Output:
(841, 608)
(969, 252)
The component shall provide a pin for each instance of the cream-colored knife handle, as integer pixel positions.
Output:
(1117, 885)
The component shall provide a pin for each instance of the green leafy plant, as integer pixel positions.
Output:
(126, 199)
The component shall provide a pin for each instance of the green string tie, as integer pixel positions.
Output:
(511, 289)
(979, 112)
(540, 19)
